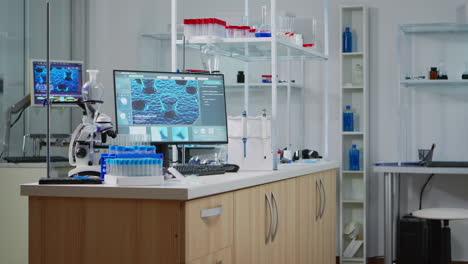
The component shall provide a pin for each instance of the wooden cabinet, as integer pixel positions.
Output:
(208, 225)
(220, 257)
(264, 224)
(316, 218)
(289, 221)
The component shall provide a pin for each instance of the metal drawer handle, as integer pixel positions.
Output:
(267, 238)
(277, 216)
(324, 198)
(211, 212)
(318, 208)
(321, 200)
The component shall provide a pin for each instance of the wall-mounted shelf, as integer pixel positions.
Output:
(353, 184)
(256, 48)
(433, 82)
(434, 28)
(160, 36)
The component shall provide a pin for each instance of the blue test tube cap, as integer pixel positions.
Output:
(152, 149)
(354, 146)
(121, 148)
(112, 147)
(348, 107)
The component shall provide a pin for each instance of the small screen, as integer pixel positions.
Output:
(171, 107)
(65, 81)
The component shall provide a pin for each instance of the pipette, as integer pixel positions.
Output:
(244, 132)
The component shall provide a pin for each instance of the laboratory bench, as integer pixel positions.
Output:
(283, 216)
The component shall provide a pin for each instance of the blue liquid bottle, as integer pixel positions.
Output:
(347, 40)
(354, 159)
(348, 119)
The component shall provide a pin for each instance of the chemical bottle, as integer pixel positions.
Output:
(357, 76)
(354, 158)
(347, 40)
(348, 119)
(465, 73)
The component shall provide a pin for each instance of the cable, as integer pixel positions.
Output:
(17, 119)
(422, 190)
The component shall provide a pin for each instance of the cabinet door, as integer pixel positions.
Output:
(329, 216)
(282, 246)
(252, 221)
(307, 229)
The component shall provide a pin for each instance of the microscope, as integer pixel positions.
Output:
(89, 138)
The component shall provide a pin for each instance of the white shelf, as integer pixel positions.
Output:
(434, 82)
(258, 48)
(352, 53)
(353, 196)
(435, 28)
(352, 172)
(355, 133)
(261, 86)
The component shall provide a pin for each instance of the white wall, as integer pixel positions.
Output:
(115, 43)
(448, 191)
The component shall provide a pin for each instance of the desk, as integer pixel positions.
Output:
(392, 193)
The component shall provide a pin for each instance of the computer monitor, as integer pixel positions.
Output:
(66, 81)
(171, 108)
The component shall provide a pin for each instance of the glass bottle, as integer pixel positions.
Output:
(348, 119)
(357, 76)
(354, 155)
(465, 73)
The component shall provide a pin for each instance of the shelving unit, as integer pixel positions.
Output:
(420, 101)
(270, 49)
(353, 198)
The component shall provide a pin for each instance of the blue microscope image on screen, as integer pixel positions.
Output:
(180, 134)
(62, 79)
(165, 102)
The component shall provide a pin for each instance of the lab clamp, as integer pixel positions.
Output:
(90, 136)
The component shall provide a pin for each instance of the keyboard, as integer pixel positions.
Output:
(36, 159)
(200, 170)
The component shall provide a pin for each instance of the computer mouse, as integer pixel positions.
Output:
(231, 167)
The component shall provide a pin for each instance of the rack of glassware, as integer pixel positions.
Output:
(272, 40)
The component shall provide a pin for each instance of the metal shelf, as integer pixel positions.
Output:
(258, 49)
(434, 28)
(434, 82)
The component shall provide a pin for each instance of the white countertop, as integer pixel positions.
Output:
(187, 189)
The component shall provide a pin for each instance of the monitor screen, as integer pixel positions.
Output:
(171, 108)
(65, 81)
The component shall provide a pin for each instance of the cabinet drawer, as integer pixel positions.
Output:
(221, 257)
(208, 225)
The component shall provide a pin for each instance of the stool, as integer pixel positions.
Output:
(445, 215)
